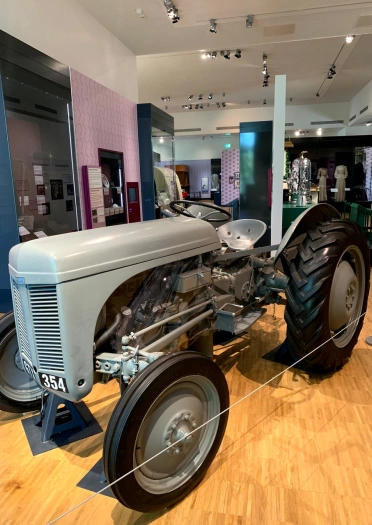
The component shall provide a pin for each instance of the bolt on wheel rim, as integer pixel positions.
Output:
(178, 410)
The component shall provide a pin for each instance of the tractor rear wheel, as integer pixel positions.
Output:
(327, 293)
(18, 392)
(169, 399)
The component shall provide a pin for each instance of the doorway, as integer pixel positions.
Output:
(113, 177)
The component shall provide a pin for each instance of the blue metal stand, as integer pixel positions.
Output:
(95, 480)
(56, 420)
(61, 422)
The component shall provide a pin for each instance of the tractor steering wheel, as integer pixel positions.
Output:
(177, 207)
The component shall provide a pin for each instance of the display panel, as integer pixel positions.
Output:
(40, 142)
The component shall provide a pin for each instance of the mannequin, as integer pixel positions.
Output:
(299, 182)
(340, 175)
(322, 177)
(215, 181)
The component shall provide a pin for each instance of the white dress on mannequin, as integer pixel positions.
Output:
(322, 177)
(340, 175)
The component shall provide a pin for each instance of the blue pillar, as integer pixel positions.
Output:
(256, 142)
(8, 217)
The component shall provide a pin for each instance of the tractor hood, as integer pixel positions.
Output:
(75, 255)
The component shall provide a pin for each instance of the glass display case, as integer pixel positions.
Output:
(38, 120)
(159, 183)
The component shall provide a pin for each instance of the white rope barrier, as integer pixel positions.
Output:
(204, 424)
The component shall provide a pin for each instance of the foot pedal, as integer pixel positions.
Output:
(230, 318)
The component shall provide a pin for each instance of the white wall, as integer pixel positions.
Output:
(198, 149)
(355, 130)
(359, 102)
(63, 30)
(300, 116)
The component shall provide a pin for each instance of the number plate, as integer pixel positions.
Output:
(28, 369)
(56, 383)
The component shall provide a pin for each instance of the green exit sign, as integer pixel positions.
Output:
(227, 145)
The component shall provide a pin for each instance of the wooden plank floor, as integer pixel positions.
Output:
(299, 451)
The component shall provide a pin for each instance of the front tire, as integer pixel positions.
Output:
(170, 398)
(327, 291)
(18, 392)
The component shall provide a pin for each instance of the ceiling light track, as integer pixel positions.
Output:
(226, 54)
(332, 70)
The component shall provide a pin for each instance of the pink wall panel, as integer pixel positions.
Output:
(230, 164)
(103, 119)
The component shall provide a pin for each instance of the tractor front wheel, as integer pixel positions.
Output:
(18, 392)
(172, 397)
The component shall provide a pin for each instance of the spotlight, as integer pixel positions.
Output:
(189, 106)
(223, 94)
(238, 53)
(161, 140)
(206, 55)
(172, 11)
(264, 102)
(191, 97)
(369, 123)
(297, 133)
(218, 105)
(264, 64)
(249, 21)
(318, 95)
(319, 132)
(200, 97)
(210, 96)
(226, 55)
(214, 55)
(196, 106)
(223, 104)
(175, 17)
(185, 106)
(201, 106)
(329, 75)
(213, 26)
(333, 70)
(349, 39)
(203, 138)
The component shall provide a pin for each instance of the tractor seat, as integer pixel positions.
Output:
(241, 234)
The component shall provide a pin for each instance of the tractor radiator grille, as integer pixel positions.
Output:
(47, 333)
(21, 325)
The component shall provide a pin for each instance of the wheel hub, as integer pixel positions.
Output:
(343, 297)
(179, 429)
(350, 297)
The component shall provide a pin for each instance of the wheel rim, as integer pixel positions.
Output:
(183, 406)
(347, 296)
(15, 384)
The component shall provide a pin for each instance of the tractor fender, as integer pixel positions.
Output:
(304, 222)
